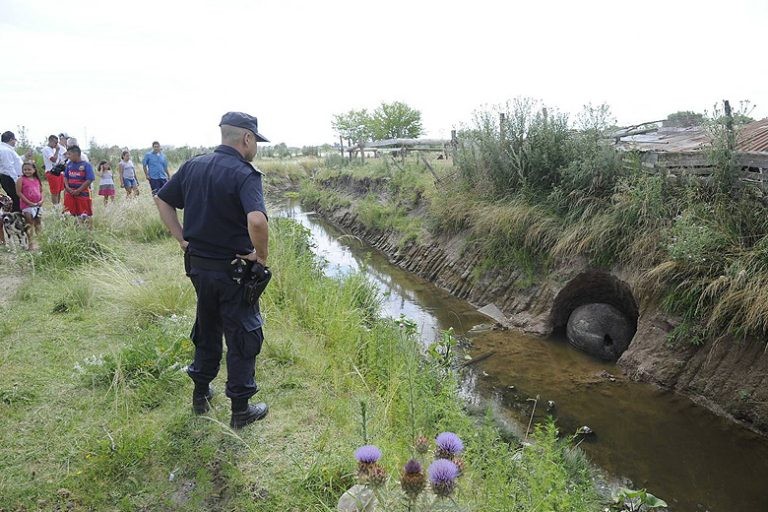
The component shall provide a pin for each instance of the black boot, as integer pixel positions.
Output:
(244, 414)
(200, 399)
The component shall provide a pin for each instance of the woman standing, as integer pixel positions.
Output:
(128, 174)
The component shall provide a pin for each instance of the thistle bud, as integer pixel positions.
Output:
(412, 481)
(422, 445)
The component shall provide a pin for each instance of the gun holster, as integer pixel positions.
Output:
(256, 282)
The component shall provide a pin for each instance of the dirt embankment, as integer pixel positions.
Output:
(725, 375)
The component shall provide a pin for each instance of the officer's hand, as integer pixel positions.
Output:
(252, 257)
(183, 244)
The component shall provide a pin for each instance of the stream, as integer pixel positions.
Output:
(658, 440)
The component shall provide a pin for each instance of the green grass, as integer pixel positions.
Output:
(95, 408)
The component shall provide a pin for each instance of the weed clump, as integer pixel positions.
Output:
(66, 244)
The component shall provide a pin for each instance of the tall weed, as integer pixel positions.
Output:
(66, 243)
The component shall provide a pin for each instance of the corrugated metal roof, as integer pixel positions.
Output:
(673, 140)
(753, 137)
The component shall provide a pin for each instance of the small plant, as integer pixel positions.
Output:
(15, 395)
(441, 352)
(443, 476)
(638, 501)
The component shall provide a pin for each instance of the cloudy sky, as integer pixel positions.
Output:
(130, 72)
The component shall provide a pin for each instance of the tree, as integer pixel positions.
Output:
(22, 139)
(354, 126)
(395, 121)
(684, 119)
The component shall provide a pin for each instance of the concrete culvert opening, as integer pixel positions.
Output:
(597, 313)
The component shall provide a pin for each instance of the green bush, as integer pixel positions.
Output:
(526, 152)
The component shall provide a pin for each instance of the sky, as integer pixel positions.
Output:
(128, 73)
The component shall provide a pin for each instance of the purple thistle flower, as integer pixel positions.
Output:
(442, 477)
(448, 445)
(367, 454)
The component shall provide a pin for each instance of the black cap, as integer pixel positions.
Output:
(243, 120)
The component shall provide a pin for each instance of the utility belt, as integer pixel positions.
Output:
(207, 264)
(253, 276)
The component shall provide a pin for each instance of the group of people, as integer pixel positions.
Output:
(225, 242)
(68, 170)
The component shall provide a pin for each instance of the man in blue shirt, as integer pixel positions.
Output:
(155, 168)
(225, 222)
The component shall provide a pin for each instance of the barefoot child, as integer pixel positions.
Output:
(106, 182)
(128, 174)
(30, 191)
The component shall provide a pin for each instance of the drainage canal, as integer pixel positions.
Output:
(663, 442)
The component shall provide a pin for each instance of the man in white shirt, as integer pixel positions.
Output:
(10, 167)
(53, 154)
(73, 142)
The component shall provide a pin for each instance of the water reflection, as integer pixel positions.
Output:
(661, 441)
(402, 293)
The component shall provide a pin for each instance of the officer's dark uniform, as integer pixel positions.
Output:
(217, 191)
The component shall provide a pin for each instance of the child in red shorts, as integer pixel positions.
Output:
(77, 178)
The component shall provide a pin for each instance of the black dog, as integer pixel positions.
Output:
(14, 224)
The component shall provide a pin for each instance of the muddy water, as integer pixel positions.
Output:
(660, 441)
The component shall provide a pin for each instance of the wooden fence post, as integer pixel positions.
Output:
(729, 125)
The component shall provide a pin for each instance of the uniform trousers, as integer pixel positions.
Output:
(222, 310)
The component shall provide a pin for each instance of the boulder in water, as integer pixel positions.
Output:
(600, 330)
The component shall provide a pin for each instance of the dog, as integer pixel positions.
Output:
(15, 225)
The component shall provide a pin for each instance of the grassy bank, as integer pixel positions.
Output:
(95, 406)
(536, 195)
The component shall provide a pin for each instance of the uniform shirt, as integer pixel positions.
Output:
(78, 173)
(157, 165)
(216, 191)
(10, 161)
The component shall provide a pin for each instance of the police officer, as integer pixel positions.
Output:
(225, 225)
